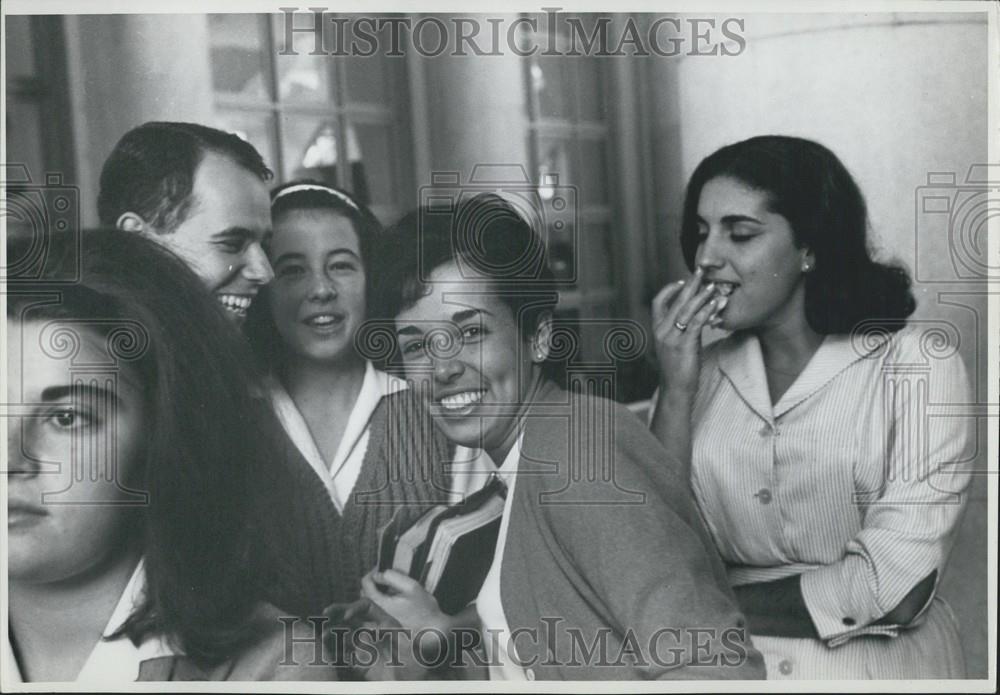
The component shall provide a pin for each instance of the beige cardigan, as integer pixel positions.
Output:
(606, 553)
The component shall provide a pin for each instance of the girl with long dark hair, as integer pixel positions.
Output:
(830, 492)
(132, 538)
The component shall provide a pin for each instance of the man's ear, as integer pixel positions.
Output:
(132, 222)
(541, 341)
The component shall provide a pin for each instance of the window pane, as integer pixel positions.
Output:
(238, 59)
(254, 127)
(593, 176)
(301, 77)
(366, 79)
(551, 80)
(369, 79)
(372, 162)
(310, 148)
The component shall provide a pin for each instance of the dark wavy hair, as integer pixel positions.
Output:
(485, 234)
(307, 194)
(151, 171)
(197, 533)
(808, 186)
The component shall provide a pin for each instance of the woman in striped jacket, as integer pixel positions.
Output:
(830, 493)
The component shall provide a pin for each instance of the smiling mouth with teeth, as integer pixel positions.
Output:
(235, 303)
(461, 401)
(323, 320)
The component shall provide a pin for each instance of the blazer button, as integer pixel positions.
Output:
(785, 667)
(763, 496)
(849, 622)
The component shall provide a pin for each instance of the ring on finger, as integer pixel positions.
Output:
(680, 326)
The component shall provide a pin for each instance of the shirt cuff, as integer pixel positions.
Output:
(840, 609)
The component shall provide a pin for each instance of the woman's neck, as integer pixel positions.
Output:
(56, 625)
(325, 395)
(787, 348)
(309, 381)
(498, 453)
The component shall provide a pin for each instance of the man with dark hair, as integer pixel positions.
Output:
(200, 192)
(203, 194)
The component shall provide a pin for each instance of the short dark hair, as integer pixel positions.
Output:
(197, 536)
(484, 233)
(151, 170)
(809, 186)
(307, 194)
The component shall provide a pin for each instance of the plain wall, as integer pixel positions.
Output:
(125, 70)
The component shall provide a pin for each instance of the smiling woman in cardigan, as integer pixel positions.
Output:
(473, 300)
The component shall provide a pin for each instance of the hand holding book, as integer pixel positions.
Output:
(449, 550)
(409, 603)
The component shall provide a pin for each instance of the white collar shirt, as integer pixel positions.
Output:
(341, 473)
(115, 660)
(501, 654)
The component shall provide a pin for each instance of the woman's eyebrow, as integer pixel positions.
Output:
(735, 219)
(289, 255)
(456, 318)
(466, 314)
(89, 391)
(351, 252)
(409, 330)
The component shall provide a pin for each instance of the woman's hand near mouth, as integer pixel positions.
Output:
(681, 311)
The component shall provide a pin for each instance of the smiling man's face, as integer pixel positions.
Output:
(221, 236)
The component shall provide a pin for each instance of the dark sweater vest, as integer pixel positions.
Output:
(312, 556)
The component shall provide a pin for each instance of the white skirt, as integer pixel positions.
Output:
(931, 650)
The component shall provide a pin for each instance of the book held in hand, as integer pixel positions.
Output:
(449, 549)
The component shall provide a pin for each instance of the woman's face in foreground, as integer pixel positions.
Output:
(461, 344)
(75, 439)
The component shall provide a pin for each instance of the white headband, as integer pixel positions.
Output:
(299, 187)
